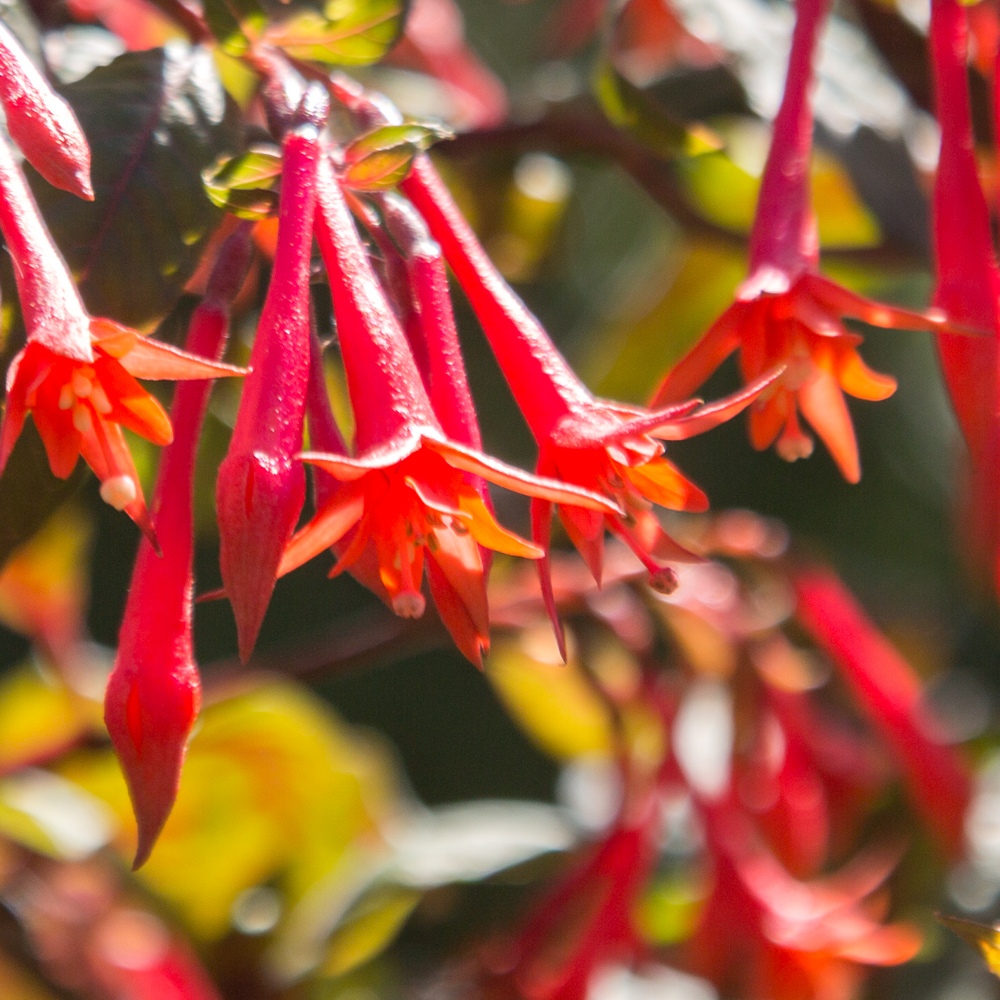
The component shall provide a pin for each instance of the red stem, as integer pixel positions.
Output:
(784, 231)
(545, 387)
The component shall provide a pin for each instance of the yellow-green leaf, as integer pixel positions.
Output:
(347, 33)
(382, 159)
(369, 927)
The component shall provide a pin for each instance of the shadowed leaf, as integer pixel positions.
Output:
(154, 120)
(381, 159)
(982, 936)
(232, 21)
(633, 110)
(245, 184)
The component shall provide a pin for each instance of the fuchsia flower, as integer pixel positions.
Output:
(786, 312)
(261, 487)
(405, 492)
(788, 939)
(77, 375)
(154, 691)
(597, 444)
(968, 281)
(41, 122)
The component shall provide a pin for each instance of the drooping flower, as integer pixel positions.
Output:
(596, 444)
(405, 495)
(786, 312)
(968, 283)
(154, 691)
(261, 488)
(41, 122)
(76, 375)
(796, 940)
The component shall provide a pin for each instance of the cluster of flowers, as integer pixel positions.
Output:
(411, 494)
(739, 774)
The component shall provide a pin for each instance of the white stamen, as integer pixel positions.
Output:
(99, 399)
(409, 604)
(82, 385)
(118, 491)
(82, 420)
(66, 397)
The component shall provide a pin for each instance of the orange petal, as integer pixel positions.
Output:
(455, 615)
(13, 422)
(491, 535)
(857, 379)
(152, 359)
(722, 338)
(590, 546)
(55, 427)
(459, 559)
(822, 404)
(131, 405)
(324, 530)
(661, 482)
(890, 945)
(766, 421)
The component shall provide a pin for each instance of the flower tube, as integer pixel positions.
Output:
(154, 691)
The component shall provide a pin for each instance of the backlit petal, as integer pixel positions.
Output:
(684, 379)
(491, 535)
(131, 405)
(324, 530)
(857, 379)
(661, 482)
(822, 404)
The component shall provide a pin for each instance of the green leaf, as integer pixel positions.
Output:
(154, 120)
(245, 185)
(234, 23)
(29, 492)
(381, 159)
(347, 33)
(634, 111)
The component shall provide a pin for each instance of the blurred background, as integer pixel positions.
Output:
(337, 833)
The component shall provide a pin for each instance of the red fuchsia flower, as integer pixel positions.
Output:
(968, 282)
(597, 444)
(261, 487)
(785, 311)
(886, 688)
(787, 939)
(76, 376)
(41, 122)
(589, 920)
(154, 691)
(405, 495)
